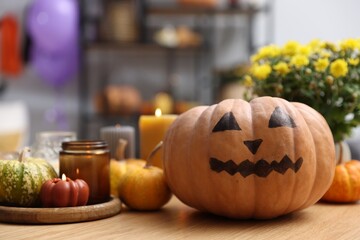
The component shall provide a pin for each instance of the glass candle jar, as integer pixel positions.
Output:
(88, 160)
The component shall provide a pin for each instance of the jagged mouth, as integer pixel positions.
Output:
(261, 168)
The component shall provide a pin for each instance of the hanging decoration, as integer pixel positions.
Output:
(53, 27)
(55, 68)
(53, 24)
(10, 60)
(54, 30)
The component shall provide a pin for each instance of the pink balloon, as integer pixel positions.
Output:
(53, 24)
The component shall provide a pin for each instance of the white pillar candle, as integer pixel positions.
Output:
(112, 134)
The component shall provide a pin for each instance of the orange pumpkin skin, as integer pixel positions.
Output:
(214, 169)
(345, 187)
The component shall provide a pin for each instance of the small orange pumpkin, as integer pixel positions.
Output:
(143, 186)
(345, 187)
(257, 159)
(198, 3)
(118, 99)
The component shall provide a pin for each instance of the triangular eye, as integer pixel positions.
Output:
(279, 118)
(227, 122)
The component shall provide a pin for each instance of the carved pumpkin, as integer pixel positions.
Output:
(345, 187)
(258, 159)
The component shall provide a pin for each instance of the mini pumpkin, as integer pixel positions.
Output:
(118, 170)
(64, 192)
(118, 99)
(143, 186)
(345, 187)
(258, 159)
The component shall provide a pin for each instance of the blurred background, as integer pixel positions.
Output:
(79, 65)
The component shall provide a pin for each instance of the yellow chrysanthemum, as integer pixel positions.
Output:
(291, 48)
(269, 51)
(325, 53)
(254, 58)
(333, 47)
(339, 68)
(321, 64)
(353, 61)
(282, 68)
(261, 71)
(350, 44)
(316, 45)
(248, 82)
(305, 50)
(299, 61)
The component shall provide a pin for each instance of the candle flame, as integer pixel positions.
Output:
(77, 171)
(158, 112)
(63, 177)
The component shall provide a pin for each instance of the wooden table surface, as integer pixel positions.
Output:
(177, 221)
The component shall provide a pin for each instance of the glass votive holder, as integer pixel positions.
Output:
(88, 160)
(47, 145)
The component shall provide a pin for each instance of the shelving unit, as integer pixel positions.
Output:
(202, 55)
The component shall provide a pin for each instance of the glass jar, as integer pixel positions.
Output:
(48, 145)
(88, 160)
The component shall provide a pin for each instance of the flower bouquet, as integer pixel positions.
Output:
(323, 75)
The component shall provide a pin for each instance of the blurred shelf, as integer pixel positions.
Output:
(111, 45)
(198, 10)
(112, 119)
(203, 55)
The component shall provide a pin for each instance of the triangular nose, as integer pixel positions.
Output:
(253, 145)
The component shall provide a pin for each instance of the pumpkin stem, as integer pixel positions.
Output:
(340, 153)
(120, 150)
(149, 158)
(23, 153)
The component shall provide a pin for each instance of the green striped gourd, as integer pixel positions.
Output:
(21, 180)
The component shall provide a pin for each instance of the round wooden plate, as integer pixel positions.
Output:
(60, 215)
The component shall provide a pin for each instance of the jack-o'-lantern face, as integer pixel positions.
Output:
(257, 159)
(260, 167)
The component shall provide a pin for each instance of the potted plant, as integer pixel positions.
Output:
(323, 75)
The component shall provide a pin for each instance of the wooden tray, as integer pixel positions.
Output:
(60, 215)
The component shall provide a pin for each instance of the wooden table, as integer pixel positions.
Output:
(177, 221)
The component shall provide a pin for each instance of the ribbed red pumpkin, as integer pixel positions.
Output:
(258, 159)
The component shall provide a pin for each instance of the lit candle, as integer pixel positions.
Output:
(90, 161)
(152, 130)
(64, 192)
(112, 134)
(165, 102)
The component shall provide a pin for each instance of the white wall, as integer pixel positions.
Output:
(304, 20)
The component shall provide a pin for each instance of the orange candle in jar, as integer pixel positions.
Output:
(88, 160)
(152, 130)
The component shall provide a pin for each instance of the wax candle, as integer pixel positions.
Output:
(88, 160)
(152, 130)
(112, 134)
(64, 192)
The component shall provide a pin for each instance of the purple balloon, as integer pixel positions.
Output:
(56, 69)
(53, 24)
